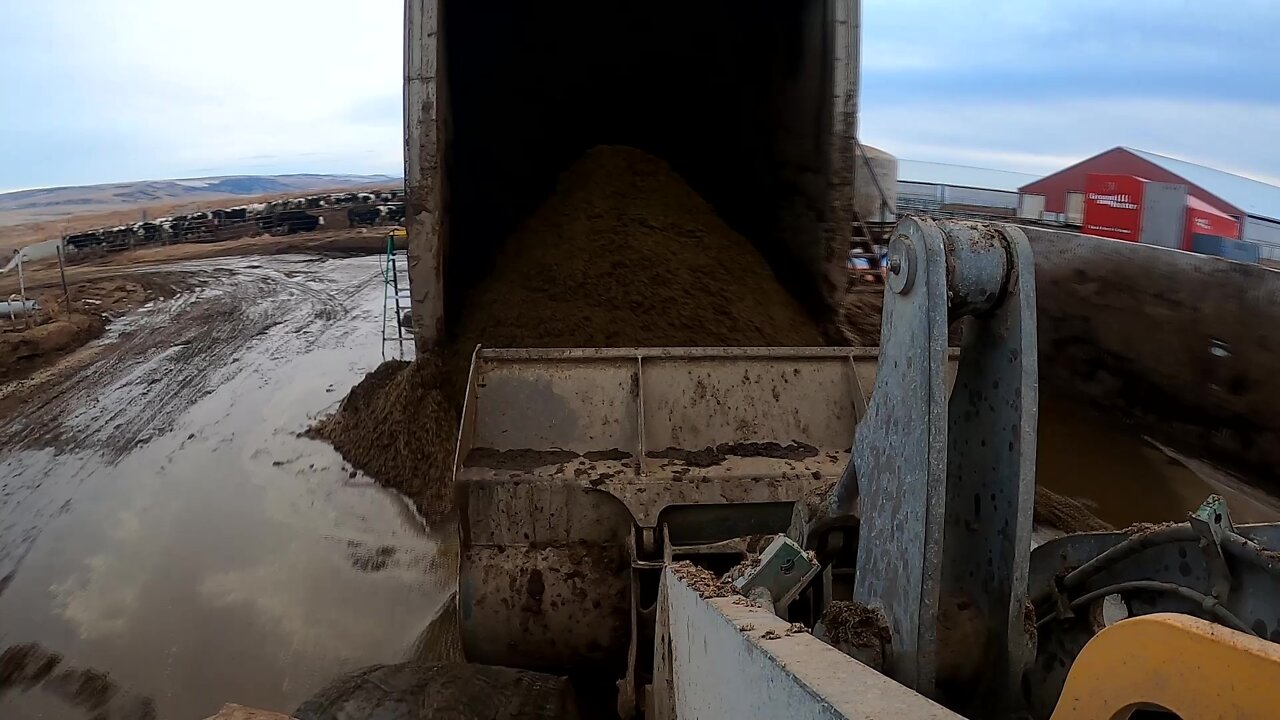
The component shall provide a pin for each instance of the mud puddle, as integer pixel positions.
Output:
(163, 524)
(1123, 478)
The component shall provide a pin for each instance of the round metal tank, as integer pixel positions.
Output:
(874, 166)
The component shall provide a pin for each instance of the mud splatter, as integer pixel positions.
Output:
(710, 456)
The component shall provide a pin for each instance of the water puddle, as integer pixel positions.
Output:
(219, 557)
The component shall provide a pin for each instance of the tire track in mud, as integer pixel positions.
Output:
(155, 364)
(150, 367)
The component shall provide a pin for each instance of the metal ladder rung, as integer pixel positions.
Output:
(396, 298)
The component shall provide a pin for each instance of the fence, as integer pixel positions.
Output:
(1268, 254)
(280, 217)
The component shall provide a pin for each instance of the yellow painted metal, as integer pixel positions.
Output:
(1179, 663)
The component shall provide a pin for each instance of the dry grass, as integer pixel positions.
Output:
(23, 234)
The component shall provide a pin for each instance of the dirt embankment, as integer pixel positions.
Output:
(624, 254)
(28, 344)
(399, 426)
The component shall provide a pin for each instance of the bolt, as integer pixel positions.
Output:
(895, 264)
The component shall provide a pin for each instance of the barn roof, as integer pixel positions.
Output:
(1252, 196)
(962, 176)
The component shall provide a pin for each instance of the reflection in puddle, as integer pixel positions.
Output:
(223, 558)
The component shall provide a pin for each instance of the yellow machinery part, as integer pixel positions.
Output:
(1173, 662)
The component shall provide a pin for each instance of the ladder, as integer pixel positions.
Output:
(396, 300)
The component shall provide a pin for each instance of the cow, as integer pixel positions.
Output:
(391, 213)
(85, 240)
(295, 221)
(146, 233)
(235, 214)
(363, 216)
(121, 236)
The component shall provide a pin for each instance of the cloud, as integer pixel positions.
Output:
(1032, 86)
(111, 90)
(152, 88)
(1045, 136)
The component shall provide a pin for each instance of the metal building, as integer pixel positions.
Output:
(1256, 205)
(940, 188)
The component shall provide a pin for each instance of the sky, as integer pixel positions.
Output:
(1034, 85)
(115, 90)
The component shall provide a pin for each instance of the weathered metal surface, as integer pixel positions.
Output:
(900, 457)
(546, 608)
(1181, 342)
(783, 570)
(18, 308)
(837, 227)
(712, 659)
(1255, 596)
(425, 118)
(991, 460)
(945, 505)
(568, 451)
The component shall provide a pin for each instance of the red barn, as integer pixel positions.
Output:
(1220, 204)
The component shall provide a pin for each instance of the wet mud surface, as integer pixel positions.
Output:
(166, 529)
(1113, 473)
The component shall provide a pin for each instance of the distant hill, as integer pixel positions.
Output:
(33, 206)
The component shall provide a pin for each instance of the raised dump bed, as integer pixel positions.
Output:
(753, 103)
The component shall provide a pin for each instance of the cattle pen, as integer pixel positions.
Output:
(333, 211)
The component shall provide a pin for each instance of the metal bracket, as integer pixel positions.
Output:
(944, 489)
(784, 570)
(1210, 521)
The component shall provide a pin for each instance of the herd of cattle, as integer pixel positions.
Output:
(278, 217)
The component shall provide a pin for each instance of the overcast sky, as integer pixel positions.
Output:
(110, 90)
(113, 90)
(1033, 85)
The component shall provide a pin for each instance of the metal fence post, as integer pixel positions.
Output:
(22, 291)
(62, 271)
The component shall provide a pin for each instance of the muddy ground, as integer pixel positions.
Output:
(104, 287)
(164, 523)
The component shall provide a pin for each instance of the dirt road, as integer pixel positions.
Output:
(163, 522)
